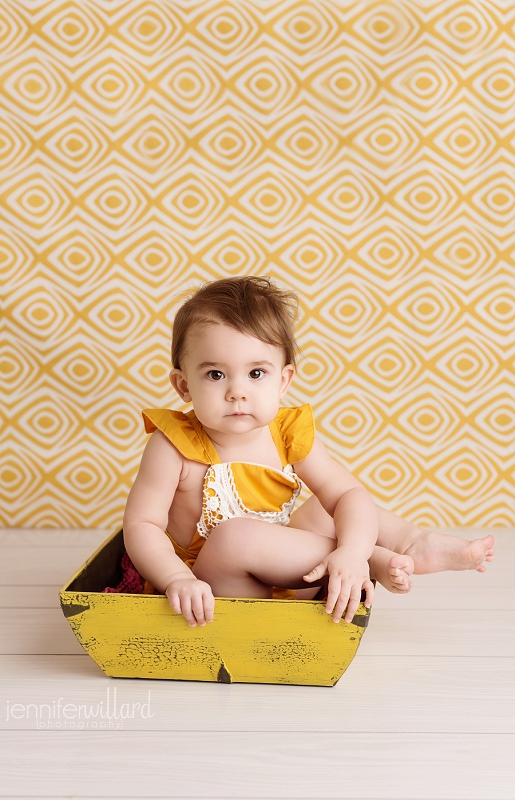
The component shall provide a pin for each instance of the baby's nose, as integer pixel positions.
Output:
(235, 392)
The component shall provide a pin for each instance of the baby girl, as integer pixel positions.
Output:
(211, 510)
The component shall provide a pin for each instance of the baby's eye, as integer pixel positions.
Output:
(215, 374)
(253, 371)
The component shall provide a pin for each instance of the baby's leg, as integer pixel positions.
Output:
(391, 570)
(431, 551)
(312, 517)
(245, 558)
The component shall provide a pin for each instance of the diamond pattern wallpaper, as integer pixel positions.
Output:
(361, 153)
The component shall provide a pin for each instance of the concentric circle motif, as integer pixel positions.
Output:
(361, 154)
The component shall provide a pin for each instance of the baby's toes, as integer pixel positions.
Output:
(487, 544)
(401, 564)
(398, 577)
(402, 589)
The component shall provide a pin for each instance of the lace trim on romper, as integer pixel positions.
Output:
(221, 501)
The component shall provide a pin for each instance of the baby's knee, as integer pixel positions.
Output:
(223, 551)
(227, 537)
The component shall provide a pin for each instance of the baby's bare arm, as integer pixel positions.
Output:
(344, 497)
(356, 528)
(146, 515)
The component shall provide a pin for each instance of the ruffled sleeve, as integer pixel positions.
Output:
(178, 429)
(297, 428)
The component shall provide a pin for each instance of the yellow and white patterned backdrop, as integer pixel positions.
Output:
(360, 153)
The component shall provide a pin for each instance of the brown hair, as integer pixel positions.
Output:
(251, 305)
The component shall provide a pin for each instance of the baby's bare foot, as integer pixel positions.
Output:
(399, 570)
(391, 570)
(438, 552)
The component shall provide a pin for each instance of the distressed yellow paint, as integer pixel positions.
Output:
(249, 641)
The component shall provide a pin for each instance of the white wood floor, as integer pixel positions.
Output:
(426, 711)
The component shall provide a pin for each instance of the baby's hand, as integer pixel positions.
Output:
(348, 575)
(193, 598)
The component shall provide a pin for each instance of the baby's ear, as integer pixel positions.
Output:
(178, 382)
(288, 373)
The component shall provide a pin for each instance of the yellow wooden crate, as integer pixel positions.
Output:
(249, 640)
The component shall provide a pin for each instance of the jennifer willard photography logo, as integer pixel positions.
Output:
(59, 714)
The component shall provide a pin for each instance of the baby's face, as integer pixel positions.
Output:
(234, 381)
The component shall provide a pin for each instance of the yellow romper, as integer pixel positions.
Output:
(239, 488)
